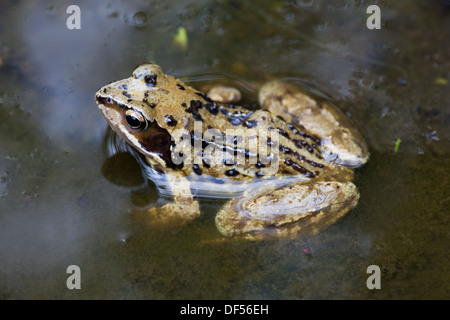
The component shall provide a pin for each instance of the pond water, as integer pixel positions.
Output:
(64, 201)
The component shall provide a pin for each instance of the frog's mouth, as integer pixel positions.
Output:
(154, 142)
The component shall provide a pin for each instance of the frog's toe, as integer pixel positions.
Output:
(343, 150)
(291, 211)
(173, 214)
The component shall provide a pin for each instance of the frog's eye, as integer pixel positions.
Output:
(136, 120)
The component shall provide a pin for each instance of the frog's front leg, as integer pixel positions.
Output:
(184, 207)
(293, 210)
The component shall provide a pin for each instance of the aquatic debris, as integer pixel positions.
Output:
(181, 38)
(402, 82)
(397, 145)
(432, 135)
(140, 19)
(441, 81)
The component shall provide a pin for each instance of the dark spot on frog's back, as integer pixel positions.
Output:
(206, 163)
(195, 105)
(180, 87)
(197, 169)
(231, 173)
(299, 143)
(224, 111)
(259, 174)
(260, 165)
(250, 123)
(212, 108)
(285, 150)
(283, 133)
(150, 80)
(204, 96)
(234, 121)
(299, 168)
(170, 120)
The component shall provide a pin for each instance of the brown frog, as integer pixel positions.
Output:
(287, 167)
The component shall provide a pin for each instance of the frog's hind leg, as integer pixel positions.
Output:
(342, 144)
(290, 211)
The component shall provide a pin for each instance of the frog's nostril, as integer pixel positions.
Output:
(103, 100)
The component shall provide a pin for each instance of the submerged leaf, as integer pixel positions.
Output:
(397, 145)
(181, 38)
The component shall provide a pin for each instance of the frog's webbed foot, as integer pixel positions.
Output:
(342, 144)
(290, 211)
(174, 213)
(184, 207)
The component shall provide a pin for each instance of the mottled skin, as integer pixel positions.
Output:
(311, 189)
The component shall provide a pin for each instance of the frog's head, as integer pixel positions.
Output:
(129, 107)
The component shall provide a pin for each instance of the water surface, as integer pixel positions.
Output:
(64, 201)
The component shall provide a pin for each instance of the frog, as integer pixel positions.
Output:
(298, 182)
